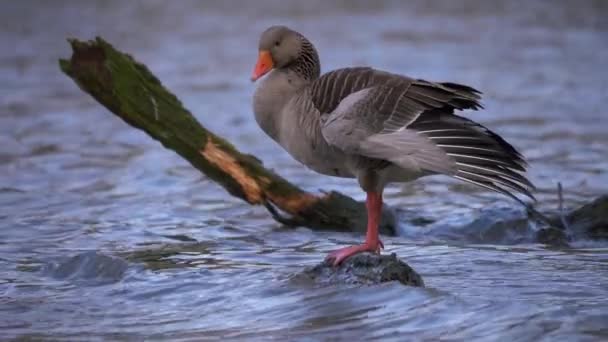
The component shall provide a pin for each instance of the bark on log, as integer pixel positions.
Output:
(130, 91)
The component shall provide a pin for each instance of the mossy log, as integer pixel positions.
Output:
(130, 91)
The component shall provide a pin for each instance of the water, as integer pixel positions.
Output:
(106, 235)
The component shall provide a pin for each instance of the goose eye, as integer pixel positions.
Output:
(277, 43)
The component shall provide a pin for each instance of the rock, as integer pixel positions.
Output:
(590, 220)
(553, 237)
(364, 268)
(89, 266)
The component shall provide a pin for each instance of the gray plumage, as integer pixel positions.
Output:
(376, 126)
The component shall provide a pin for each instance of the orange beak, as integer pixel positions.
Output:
(263, 66)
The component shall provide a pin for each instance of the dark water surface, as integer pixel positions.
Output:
(106, 235)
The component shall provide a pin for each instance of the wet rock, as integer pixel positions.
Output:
(497, 225)
(90, 267)
(590, 220)
(365, 268)
(553, 237)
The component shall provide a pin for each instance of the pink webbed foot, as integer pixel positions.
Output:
(342, 254)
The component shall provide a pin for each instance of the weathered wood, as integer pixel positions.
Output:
(130, 91)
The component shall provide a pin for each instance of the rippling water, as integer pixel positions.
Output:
(104, 234)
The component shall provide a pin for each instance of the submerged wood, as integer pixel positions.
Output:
(130, 91)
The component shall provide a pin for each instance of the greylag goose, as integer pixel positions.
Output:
(375, 126)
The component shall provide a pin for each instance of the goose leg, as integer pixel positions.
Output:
(372, 240)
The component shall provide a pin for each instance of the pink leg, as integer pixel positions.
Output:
(372, 240)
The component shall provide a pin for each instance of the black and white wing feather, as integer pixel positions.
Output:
(411, 123)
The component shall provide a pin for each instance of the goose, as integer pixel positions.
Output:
(375, 126)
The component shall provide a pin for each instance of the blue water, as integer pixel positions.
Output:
(105, 235)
